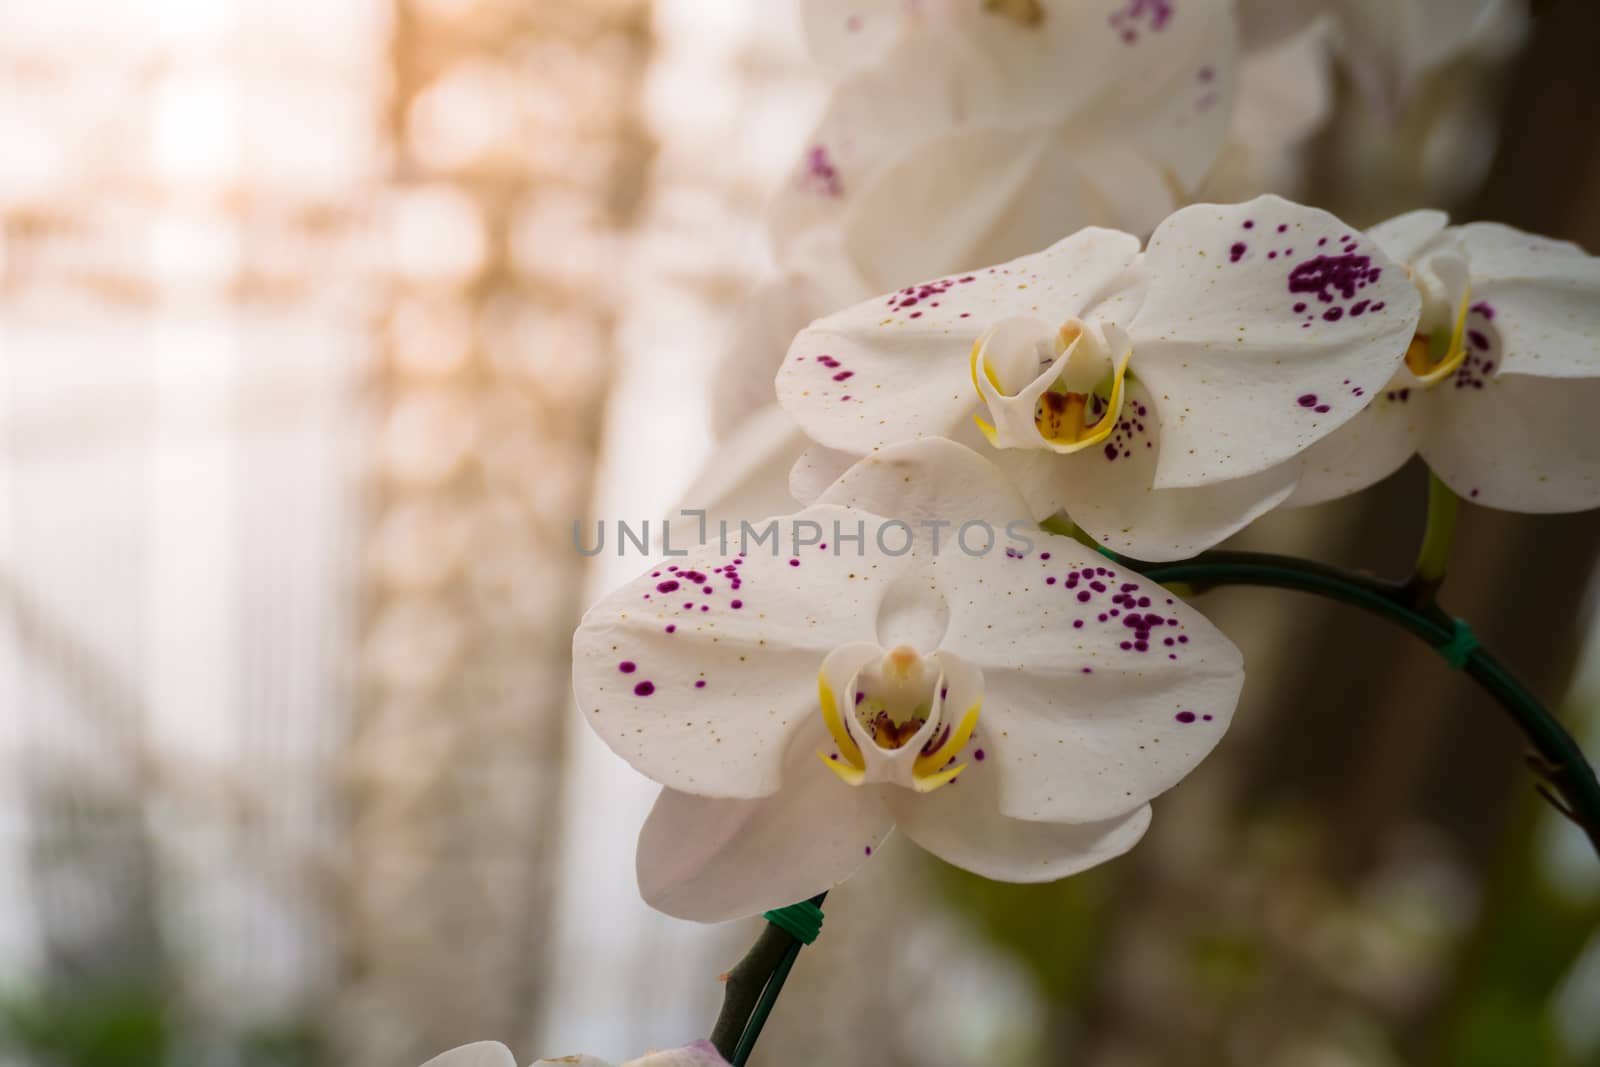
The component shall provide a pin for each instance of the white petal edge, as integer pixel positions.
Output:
(477, 1054)
(747, 475)
(961, 824)
(1545, 298)
(1519, 444)
(712, 859)
(1368, 448)
(1232, 355)
(699, 1054)
(1404, 237)
(814, 470)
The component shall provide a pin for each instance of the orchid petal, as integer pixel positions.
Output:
(1036, 473)
(815, 280)
(1260, 323)
(1126, 189)
(1174, 96)
(841, 34)
(1263, 23)
(995, 192)
(1088, 715)
(1369, 447)
(754, 641)
(746, 476)
(1404, 237)
(1542, 296)
(962, 825)
(872, 117)
(929, 481)
(1285, 92)
(1378, 39)
(903, 358)
(699, 1054)
(712, 859)
(1109, 492)
(1517, 442)
(814, 470)
(477, 1054)
(1389, 44)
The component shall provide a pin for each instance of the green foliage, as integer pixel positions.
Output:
(135, 1027)
(119, 1028)
(1532, 938)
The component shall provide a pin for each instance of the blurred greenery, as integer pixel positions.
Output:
(127, 1026)
(1533, 936)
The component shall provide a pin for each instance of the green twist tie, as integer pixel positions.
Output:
(803, 920)
(1461, 645)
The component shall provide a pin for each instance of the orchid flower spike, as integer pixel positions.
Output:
(917, 654)
(1501, 382)
(966, 129)
(494, 1054)
(1164, 399)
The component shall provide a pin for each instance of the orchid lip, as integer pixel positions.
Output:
(1420, 359)
(892, 724)
(1071, 404)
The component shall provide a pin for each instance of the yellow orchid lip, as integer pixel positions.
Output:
(849, 757)
(931, 768)
(1419, 355)
(1060, 415)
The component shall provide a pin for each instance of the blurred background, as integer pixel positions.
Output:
(320, 322)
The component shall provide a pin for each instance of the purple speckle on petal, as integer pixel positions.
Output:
(644, 689)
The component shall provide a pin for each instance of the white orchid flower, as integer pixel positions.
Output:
(1011, 704)
(1164, 399)
(1500, 385)
(1387, 45)
(747, 475)
(971, 132)
(1285, 96)
(494, 1054)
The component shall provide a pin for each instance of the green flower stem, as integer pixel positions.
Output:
(751, 989)
(1437, 537)
(769, 997)
(1560, 760)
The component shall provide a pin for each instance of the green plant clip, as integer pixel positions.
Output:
(1461, 645)
(802, 921)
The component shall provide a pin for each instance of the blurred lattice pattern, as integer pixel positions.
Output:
(187, 295)
(517, 161)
